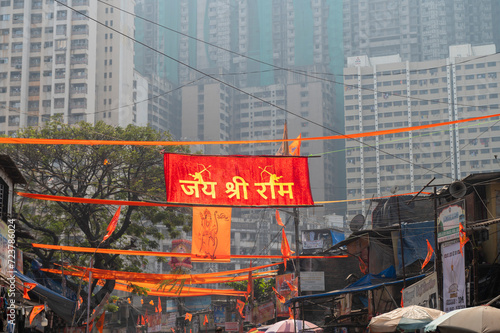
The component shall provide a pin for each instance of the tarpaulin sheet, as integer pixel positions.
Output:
(368, 282)
(414, 241)
(61, 305)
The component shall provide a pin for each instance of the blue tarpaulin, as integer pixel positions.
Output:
(414, 241)
(61, 305)
(368, 282)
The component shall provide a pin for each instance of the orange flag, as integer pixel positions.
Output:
(430, 251)
(188, 316)
(285, 248)
(294, 147)
(205, 321)
(211, 234)
(27, 287)
(240, 305)
(143, 322)
(278, 219)
(363, 267)
(402, 299)
(292, 287)
(290, 312)
(159, 304)
(112, 224)
(36, 310)
(100, 323)
(283, 150)
(463, 237)
(280, 298)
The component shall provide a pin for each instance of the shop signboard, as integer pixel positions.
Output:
(423, 293)
(454, 296)
(449, 217)
(312, 281)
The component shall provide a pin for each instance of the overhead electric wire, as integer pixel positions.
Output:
(249, 94)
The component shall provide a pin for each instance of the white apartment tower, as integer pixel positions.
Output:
(56, 59)
(385, 93)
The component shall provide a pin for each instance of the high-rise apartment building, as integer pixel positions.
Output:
(417, 30)
(206, 114)
(387, 93)
(55, 59)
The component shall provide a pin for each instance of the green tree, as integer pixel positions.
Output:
(262, 288)
(132, 173)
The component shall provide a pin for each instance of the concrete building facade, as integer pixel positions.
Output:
(387, 93)
(417, 30)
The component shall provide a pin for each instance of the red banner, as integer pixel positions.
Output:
(237, 180)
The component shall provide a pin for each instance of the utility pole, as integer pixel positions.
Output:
(297, 265)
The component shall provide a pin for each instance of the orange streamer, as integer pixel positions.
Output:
(34, 141)
(157, 278)
(94, 201)
(169, 254)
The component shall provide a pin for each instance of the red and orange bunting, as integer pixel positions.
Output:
(430, 251)
(188, 316)
(278, 295)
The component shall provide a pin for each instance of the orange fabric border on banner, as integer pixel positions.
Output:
(167, 254)
(238, 180)
(34, 141)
